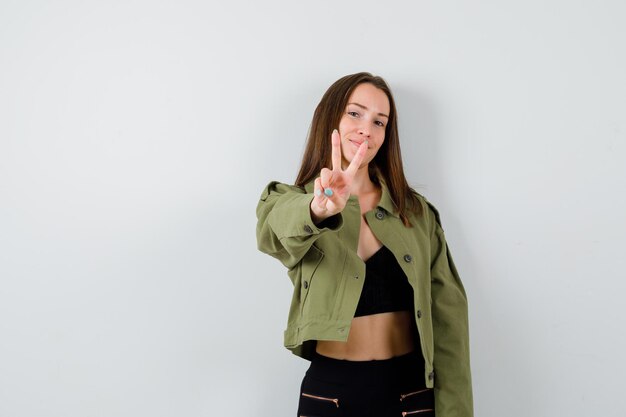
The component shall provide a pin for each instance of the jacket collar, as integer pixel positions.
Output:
(385, 202)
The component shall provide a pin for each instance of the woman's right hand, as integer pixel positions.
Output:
(332, 187)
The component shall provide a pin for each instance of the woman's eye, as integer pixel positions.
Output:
(379, 123)
(353, 113)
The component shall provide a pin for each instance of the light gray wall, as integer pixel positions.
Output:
(135, 139)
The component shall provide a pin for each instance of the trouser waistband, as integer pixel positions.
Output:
(399, 369)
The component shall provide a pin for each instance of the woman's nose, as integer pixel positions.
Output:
(363, 130)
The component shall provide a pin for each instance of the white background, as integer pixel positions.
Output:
(136, 137)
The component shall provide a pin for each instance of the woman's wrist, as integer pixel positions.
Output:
(318, 215)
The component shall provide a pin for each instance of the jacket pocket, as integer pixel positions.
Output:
(309, 265)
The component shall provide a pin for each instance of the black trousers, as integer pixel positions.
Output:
(379, 388)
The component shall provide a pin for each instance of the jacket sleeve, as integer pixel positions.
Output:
(453, 384)
(285, 229)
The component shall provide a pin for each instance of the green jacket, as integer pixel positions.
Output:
(328, 275)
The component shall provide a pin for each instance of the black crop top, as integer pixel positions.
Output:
(386, 287)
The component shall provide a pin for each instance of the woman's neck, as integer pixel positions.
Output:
(362, 184)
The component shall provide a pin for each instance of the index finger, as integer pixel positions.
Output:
(336, 150)
(356, 160)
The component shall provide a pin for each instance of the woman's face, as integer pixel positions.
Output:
(364, 118)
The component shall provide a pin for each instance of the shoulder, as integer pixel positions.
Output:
(279, 188)
(431, 213)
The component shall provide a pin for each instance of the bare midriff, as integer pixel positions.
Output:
(377, 336)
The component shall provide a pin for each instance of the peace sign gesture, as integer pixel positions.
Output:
(332, 187)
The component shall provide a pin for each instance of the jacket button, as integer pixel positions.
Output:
(380, 215)
(431, 376)
(305, 284)
(407, 258)
(356, 277)
(308, 229)
(419, 314)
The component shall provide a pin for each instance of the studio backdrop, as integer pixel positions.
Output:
(136, 138)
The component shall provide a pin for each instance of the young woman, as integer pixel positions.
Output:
(378, 307)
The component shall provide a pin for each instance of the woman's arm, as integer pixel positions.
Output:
(285, 229)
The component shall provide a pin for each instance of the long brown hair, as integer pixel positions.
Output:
(388, 160)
